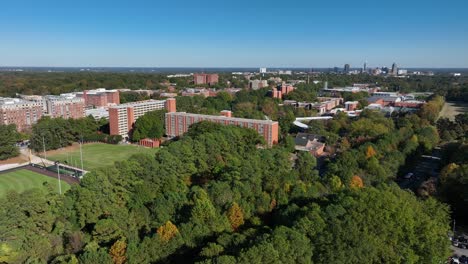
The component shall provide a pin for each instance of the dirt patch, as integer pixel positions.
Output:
(451, 109)
(19, 159)
(73, 147)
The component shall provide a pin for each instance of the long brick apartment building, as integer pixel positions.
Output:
(122, 117)
(177, 123)
(20, 112)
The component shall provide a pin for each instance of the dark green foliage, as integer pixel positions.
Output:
(8, 138)
(355, 227)
(216, 195)
(58, 132)
(150, 125)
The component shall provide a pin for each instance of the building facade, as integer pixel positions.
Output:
(257, 84)
(122, 117)
(20, 112)
(178, 123)
(346, 68)
(64, 106)
(203, 78)
(351, 105)
(100, 97)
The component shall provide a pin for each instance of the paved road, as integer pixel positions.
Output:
(459, 251)
(34, 159)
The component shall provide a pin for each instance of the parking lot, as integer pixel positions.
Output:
(459, 251)
(423, 169)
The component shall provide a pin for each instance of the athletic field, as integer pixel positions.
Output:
(97, 155)
(22, 180)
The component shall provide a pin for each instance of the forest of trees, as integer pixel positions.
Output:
(214, 197)
(54, 133)
(43, 83)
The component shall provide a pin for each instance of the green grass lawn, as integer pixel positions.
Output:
(99, 155)
(22, 180)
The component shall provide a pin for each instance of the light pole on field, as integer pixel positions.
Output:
(58, 175)
(81, 152)
(43, 146)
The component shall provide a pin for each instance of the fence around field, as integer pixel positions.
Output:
(44, 171)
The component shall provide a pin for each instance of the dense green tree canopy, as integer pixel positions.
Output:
(8, 138)
(150, 125)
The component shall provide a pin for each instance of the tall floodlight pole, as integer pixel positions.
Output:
(58, 174)
(81, 153)
(43, 146)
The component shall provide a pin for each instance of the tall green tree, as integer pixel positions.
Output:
(8, 137)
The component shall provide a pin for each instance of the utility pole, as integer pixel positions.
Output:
(58, 174)
(43, 146)
(453, 227)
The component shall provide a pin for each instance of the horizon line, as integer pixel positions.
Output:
(230, 67)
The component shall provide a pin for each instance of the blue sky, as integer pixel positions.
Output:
(296, 33)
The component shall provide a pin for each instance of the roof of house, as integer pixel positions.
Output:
(374, 99)
(302, 139)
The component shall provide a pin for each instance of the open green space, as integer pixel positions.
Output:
(22, 180)
(98, 155)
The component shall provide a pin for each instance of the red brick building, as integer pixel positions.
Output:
(122, 117)
(22, 113)
(150, 143)
(178, 123)
(282, 90)
(203, 78)
(275, 93)
(100, 97)
(286, 88)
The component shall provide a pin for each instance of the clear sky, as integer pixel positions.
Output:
(224, 33)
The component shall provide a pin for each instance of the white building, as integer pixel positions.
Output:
(402, 72)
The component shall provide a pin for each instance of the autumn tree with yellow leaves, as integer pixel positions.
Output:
(235, 216)
(167, 231)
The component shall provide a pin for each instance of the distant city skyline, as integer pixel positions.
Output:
(295, 34)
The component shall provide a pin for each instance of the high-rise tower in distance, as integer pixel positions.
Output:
(394, 69)
(346, 68)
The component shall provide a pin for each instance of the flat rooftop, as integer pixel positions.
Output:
(220, 117)
(146, 102)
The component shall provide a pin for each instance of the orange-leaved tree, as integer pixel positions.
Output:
(235, 216)
(167, 231)
(117, 251)
(356, 182)
(370, 152)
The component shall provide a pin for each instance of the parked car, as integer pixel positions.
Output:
(409, 175)
(463, 259)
